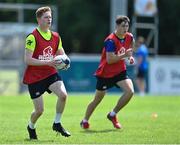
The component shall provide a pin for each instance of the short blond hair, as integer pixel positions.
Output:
(40, 11)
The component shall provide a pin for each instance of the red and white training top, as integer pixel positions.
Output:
(44, 50)
(106, 70)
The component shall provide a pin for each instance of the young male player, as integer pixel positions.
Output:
(112, 71)
(41, 75)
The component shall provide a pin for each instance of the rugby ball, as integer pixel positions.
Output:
(62, 61)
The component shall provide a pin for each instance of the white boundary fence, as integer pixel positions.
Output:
(164, 75)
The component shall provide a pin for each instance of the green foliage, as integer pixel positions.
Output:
(29, 1)
(138, 125)
(83, 24)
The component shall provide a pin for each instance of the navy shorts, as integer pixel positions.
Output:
(106, 83)
(38, 88)
(141, 73)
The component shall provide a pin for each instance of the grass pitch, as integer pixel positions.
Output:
(139, 124)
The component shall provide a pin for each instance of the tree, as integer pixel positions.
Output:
(83, 24)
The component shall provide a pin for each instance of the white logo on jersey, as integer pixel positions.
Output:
(121, 51)
(47, 54)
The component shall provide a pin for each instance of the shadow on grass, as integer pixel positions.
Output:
(37, 141)
(101, 131)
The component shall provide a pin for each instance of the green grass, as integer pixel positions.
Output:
(138, 125)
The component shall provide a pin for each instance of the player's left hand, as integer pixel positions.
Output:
(66, 67)
(131, 60)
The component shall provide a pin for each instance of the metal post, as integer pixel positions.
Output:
(20, 15)
(118, 7)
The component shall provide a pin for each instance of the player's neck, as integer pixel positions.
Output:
(120, 36)
(43, 29)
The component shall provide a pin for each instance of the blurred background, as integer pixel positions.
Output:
(83, 25)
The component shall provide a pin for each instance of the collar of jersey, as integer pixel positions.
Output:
(45, 35)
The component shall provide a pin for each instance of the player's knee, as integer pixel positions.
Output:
(130, 92)
(63, 97)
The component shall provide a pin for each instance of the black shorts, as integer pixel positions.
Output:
(141, 73)
(38, 88)
(106, 83)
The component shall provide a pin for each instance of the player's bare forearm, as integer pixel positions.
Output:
(133, 45)
(60, 51)
(29, 60)
(113, 58)
(35, 62)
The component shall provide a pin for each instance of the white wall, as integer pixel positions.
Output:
(164, 75)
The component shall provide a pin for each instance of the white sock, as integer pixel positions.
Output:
(112, 113)
(57, 118)
(84, 120)
(31, 125)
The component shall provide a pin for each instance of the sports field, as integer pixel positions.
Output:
(139, 127)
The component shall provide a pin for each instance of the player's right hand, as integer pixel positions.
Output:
(66, 67)
(51, 63)
(131, 60)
